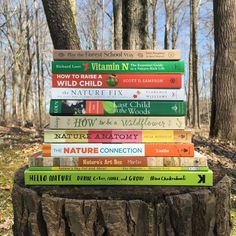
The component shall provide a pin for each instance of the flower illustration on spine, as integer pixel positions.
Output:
(136, 94)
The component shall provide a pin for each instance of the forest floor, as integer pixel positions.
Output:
(17, 144)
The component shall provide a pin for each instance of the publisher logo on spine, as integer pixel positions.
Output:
(61, 54)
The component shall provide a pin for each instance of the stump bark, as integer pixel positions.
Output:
(121, 210)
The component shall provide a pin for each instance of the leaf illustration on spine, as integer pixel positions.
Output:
(109, 107)
(179, 123)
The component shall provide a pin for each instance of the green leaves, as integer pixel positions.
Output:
(109, 107)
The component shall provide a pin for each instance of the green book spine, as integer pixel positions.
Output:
(158, 178)
(117, 108)
(117, 66)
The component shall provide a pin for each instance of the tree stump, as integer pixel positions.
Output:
(121, 210)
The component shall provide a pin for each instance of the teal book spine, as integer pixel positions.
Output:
(157, 178)
(117, 108)
(118, 67)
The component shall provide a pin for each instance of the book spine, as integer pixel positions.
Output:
(117, 81)
(116, 55)
(117, 136)
(113, 150)
(111, 168)
(117, 67)
(121, 122)
(117, 108)
(118, 161)
(158, 178)
(118, 94)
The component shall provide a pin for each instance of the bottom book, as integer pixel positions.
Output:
(158, 178)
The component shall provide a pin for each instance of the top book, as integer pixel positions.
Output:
(116, 55)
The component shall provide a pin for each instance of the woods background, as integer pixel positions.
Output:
(204, 31)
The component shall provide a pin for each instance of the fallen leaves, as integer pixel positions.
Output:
(7, 224)
(6, 188)
(16, 146)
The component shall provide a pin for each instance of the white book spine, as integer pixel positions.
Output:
(98, 150)
(118, 94)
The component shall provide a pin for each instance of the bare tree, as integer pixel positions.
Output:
(4, 93)
(167, 24)
(190, 83)
(153, 4)
(30, 55)
(9, 34)
(195, 10)
(93, 26)
(20, 78)
(103, 24)
(178, 11)
(223, 116)
(193, 106)
(37, 54)
(117, 12)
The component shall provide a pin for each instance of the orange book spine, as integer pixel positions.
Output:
(179, 149)
(46, 150)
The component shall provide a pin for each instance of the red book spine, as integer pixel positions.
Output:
(116, 81)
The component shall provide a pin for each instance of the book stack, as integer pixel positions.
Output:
(118, 118)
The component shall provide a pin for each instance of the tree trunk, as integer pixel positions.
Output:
(223, 117)
(135, 24)
(193, 114)
(23, 11)
(178, 11)
(94, 25)
(61, 24)
(196, 114)
(121, 210)
(27, 80)
(14, 70)
(154, 23)
(167, 25)
(173, 26)
(4, 99)
(211, 60)
(14, 95)
(103, 25)
(190, 84)
(37, 54)
(117, 12)
(4, 93)
(42, 101)
(73, 9)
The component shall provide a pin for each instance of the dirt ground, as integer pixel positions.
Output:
(17, 144)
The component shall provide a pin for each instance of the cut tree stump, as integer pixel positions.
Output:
(121, 210)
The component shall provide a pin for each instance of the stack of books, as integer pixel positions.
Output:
(118, 118)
